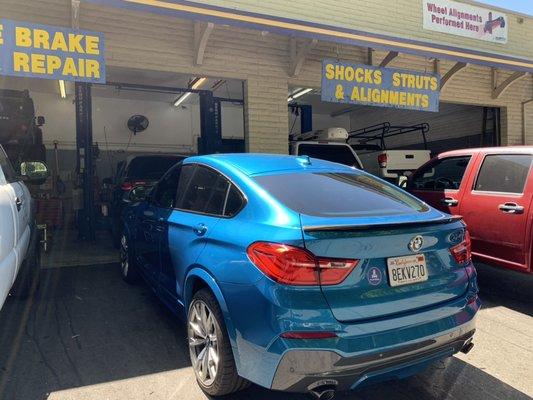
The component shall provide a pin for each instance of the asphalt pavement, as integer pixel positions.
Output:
(86, 335)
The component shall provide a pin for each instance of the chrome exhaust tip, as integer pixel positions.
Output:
(323, 393)
(323, 390)
(467, 347)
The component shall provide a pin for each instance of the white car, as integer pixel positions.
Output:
(19, 245)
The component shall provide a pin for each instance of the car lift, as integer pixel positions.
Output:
(210, 140)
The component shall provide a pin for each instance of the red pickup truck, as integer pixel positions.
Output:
(492, 189)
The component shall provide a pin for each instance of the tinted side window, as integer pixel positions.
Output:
(446, 173)
(7, 168)
(206, 192)
(187, 172)
(234, 202)
(165, 192)
(506, 173)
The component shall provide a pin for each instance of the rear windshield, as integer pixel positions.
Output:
(339, 194)
(335, 153)
(151, 167)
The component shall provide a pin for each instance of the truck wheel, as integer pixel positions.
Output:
(210, 348)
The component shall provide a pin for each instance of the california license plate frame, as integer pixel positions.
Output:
(407, 270)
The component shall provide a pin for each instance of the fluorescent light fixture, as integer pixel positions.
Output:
(196, 83)
(297, 94)
(181, 99)
(62, 89)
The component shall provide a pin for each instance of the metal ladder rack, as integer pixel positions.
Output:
(379, 132)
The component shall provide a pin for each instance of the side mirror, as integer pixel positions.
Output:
(402, 181)
(39, 121)
(34, 172)
(138, 193)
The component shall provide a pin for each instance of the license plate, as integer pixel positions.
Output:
(406, 270)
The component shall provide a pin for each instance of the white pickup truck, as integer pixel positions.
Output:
(19, 245)
(370, 145)
(329, 145)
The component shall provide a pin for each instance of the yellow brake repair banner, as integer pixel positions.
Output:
(51, 52)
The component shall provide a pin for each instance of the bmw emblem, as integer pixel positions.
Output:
(416, 243)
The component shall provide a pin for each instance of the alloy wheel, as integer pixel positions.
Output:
(203, 342)
(124, 258)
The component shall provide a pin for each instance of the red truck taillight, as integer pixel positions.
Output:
(382, 160)
(296, 266)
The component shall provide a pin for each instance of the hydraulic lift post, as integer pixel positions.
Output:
(85, 165)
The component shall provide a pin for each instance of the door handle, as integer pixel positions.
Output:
(449, 201)
(200, 229)
(18, 203)
(511, 208)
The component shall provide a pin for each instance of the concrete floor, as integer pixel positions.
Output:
(86, 335)
(64, 249)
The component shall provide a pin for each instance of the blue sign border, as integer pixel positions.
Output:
(9, 47)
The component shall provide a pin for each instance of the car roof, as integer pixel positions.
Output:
(260, 163)
(492, 150)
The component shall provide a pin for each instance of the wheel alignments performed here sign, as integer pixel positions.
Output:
(50, 52)
(346, 82)
(465, 20)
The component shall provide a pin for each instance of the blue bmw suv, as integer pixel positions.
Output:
(299, 274)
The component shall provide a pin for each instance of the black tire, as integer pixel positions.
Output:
(116, 233)
(128, 269)
(226, 380)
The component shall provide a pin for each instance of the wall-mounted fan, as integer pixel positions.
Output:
(137, 123)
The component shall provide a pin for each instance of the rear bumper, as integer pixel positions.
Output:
(301, 370)
(264, 357)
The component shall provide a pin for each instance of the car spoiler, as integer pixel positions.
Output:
(341, 228)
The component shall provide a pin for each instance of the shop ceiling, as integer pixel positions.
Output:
(226, 88)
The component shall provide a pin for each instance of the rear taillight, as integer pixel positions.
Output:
(296, 266)
(382, 160)
(462, 252)
(126, 186)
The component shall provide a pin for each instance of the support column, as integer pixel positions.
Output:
(266, 116)
(306, 118)
(210, 119)
(85, 166)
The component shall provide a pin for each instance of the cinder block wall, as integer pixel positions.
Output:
(155, 42)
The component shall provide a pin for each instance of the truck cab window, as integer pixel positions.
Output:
(446, 173)
(504, 173)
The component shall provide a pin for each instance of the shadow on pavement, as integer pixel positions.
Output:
(449, 380)
(85, 326)
(503, 287)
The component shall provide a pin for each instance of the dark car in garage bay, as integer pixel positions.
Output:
(492, 189)
(299, 274)
(146, 170)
